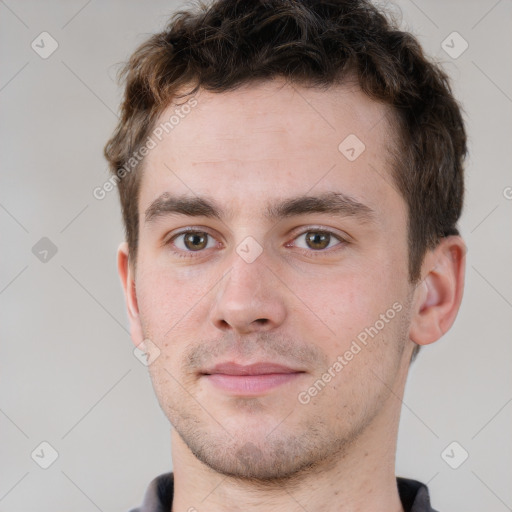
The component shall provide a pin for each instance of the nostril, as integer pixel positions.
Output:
(262, 320)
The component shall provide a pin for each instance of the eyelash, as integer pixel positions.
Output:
(309, 252)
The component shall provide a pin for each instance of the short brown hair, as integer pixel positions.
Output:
(315, 43)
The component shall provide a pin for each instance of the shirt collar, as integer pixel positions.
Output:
(158, 498)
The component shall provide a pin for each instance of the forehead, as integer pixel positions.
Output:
(272, 140)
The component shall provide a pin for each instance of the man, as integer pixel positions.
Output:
(290, 175)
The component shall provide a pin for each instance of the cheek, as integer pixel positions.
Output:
(344, 304)
(168, 296)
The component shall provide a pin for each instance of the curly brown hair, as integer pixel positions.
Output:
(222, 45)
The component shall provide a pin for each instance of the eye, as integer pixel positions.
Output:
(192, 241)
(318, 240)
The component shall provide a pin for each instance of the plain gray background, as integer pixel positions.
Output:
(68, 373)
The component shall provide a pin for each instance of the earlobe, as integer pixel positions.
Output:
(438, 296)
(126, 274)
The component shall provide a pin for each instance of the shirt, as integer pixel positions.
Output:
(158, 498)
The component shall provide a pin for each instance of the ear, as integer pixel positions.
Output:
(437, 298)
(126, 273)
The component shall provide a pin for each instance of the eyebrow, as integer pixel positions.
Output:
(334, 203)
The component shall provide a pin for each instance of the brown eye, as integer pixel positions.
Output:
(195, 240)
(318, 239)
(189, 242)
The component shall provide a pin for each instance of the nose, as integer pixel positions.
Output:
(249, 299)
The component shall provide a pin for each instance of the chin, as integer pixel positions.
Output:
(257, 457)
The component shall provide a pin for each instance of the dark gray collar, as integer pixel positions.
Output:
(158, 498)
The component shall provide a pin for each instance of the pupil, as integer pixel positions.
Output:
(196, 241)
(318, 239)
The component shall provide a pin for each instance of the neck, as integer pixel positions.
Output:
(361, 479)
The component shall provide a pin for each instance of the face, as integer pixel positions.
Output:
(271, 277)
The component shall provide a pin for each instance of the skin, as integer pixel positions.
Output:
(296, 304)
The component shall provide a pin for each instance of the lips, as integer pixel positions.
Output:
(250, 369)
(250, 380)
